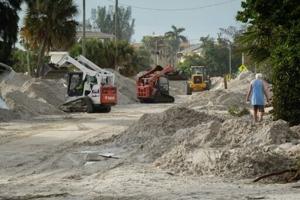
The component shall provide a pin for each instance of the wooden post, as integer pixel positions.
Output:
(225, 81)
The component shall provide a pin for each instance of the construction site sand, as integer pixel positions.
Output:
(219, 100)
(190, 142)
(29, 97)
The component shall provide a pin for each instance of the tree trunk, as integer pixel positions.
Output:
(41, 56)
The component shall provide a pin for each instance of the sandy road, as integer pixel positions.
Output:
(42, 159)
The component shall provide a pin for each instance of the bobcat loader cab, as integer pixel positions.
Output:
(90, 88)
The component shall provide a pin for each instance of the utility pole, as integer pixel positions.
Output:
(156, 51)
(83, 28)
(230, 59)
(243, 59)
(116, 32)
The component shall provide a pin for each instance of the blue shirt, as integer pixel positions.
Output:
(257, 95)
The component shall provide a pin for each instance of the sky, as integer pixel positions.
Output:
(199, 17)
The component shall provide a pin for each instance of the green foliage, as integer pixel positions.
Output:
(8, 28)
(191, 60)
(23, 61)
(173, 39)
(237, 112)
(216, 55)
(102, 53)
(273, 35)
(286, 84)
(125, 27)
(165, 47)
(49, 25)
(142, 59)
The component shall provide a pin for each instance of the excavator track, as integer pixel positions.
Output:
(163, 98)
(76, 105)
(84, 104)
(159, 98)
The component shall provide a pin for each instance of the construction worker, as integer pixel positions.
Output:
(257, 91)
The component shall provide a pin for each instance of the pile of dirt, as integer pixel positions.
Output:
(186, 141)
(153, 134)
(219, 99)
(7, 115)
(217, 83)
(241, 83)
(216, 101)
(233, 148)
(29, 97)
(126, 88)
(177, 87)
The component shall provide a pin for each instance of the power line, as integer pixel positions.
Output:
(177, 9)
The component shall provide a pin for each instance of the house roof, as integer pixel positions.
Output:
(191, 48)
(94, 34)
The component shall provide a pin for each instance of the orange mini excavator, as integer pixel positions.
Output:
(153, 86)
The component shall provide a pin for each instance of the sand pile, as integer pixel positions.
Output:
(186, 141)
(126, 88)
(7, 115)
(217, 82)
(152, 135)
(234, 148)
(219, 99)
(177, 87)
(28, 96)
(241, 83)
(216, 100)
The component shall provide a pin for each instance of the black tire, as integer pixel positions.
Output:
(89, 105)
(107, 109)
(102, 109)
(208, 86)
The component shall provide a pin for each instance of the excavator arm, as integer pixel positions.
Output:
(63, 59)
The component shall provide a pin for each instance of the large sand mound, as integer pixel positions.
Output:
(190, 142)
(152, 135)
(233, 148)
(29, 97)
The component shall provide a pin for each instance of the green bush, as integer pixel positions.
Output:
(286, 83)
(238, 112)
(102, 53)
(23, 61)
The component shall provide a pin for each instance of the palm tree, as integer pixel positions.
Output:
(49, 25)
(175, 38)
(8, 27)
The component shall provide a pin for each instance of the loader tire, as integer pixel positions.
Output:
(188, 89)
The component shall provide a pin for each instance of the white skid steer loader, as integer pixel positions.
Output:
(91, 89)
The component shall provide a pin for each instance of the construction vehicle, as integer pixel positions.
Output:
(91, 89)
(199, 80)
(153, 86)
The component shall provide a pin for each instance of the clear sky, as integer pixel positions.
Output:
(199, 18)
(205, 17)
